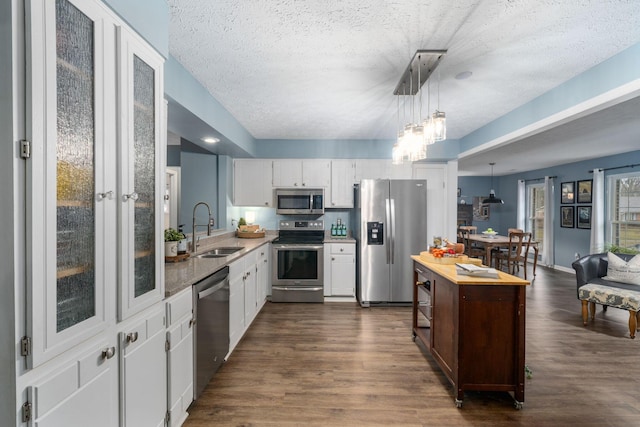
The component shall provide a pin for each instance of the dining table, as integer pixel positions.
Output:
(490, 241)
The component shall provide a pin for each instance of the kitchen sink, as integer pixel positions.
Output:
(220, 252)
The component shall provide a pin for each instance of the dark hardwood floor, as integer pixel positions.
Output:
(336, 364)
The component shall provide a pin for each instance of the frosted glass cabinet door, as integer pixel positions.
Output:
(140, 190)
(69, 196)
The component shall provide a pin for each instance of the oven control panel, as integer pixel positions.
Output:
(287, 224)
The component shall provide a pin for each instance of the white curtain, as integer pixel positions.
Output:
(522, 205)
(597, 212)
(548, 256)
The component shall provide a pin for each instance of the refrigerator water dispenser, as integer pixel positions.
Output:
(374, 233)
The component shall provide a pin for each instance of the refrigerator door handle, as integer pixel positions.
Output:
(392, 220)
(387, 244)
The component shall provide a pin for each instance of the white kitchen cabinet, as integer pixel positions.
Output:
(245, 300)
(343, 176)
(287, 173)
(141, 160)
(250, 288)
(72, 183)
(263, 274)
(311, 173)
(180, 373)
(94, 158)
(143, 369)
(381, 169)
(81, 185)
(80, 392)
(252, 182)
(236, 303)
(340, 269)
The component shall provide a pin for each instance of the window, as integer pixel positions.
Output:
(624, 210)
(535, 213)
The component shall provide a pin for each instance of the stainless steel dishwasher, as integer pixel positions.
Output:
(211, 343)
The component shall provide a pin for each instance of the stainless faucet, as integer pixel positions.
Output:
(193, 229)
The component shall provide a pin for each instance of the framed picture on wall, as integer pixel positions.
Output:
(566, 216)
(584, 191)
(567, 192)
(584, 217)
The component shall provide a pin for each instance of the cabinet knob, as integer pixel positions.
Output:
(192, 322)
(107, 195)
(266, 203)
(133, 196)
(132, 337)
(108, 353)
(341, 249)
(333, 259)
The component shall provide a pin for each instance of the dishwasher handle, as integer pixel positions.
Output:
(208, 291)
(206, 286)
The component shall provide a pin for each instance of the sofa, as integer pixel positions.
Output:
(618, 286)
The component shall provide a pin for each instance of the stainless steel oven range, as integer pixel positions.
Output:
(298, 253)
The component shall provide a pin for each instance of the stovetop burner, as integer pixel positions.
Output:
(300, 232)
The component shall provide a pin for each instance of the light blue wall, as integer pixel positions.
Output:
(150, 18)
(610, 74)
(199, 183)
(185, 90)
(568, 241)
(344, 149)
(479, 186)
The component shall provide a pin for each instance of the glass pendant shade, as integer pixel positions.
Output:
(439, 126)
(396, 155)
(427, 126)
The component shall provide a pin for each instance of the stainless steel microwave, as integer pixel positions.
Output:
(300, 201)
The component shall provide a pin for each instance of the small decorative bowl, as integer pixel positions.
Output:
(490, 233)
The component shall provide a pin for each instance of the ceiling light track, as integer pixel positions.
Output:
(423, 63)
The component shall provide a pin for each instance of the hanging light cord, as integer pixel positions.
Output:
(420, 89)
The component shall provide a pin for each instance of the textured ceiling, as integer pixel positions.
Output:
(310, 69)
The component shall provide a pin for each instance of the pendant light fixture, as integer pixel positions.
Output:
(492, 194)
(439, 120)
(414, 137)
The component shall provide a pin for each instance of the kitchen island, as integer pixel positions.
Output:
(473, 327)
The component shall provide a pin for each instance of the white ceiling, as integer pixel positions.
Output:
(309, 69)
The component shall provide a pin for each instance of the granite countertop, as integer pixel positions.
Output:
(180, 275)
(328, 238)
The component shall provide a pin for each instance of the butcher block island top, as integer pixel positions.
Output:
(473, 327)
(449, 272)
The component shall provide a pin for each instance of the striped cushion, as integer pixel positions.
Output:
(607, 295)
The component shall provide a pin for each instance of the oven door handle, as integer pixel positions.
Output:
(296, 246)
(296, 288)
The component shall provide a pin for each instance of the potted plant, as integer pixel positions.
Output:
(171, 239)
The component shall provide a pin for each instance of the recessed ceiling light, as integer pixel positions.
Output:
(463, 75)
(210, 140)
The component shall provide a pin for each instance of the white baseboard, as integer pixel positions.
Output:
(339, 299)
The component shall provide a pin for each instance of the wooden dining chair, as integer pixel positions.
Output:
(533, 246)
(473, 250)
(516, 253)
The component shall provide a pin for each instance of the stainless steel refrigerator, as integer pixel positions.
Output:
(389, 224)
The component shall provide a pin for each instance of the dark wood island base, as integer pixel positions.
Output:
(473, 327)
